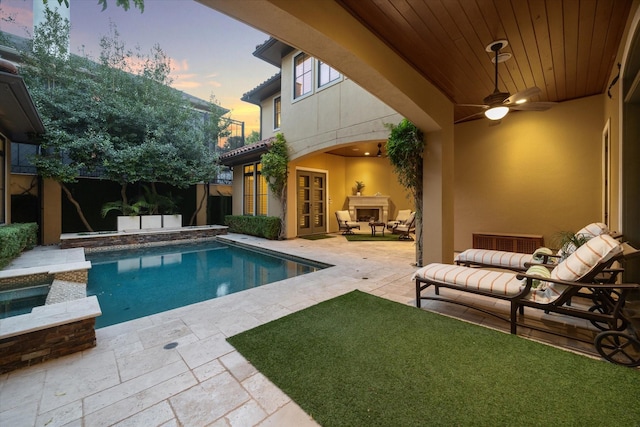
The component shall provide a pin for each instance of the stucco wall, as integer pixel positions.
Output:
(334, 115)
(535, 173)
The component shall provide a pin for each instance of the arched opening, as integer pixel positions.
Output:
(630, 172)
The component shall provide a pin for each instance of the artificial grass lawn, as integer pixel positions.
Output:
(376, 238)
(317, 237)
(360, 360)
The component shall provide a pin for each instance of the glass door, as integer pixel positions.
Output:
(311, 202)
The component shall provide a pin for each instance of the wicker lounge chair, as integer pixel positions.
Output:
(344, 222)
(519, 261)
(551, 292)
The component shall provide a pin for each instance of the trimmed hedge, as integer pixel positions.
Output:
(261, 226)
(14, 238)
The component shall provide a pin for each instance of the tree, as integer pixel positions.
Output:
(232, 143)
(125, 4)
(405, 148)
(275, 170)
(253, 137)
(125, 123)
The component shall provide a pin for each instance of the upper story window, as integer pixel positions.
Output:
(277, 113)
(303, 75)
(326, 74)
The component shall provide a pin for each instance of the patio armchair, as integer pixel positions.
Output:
(406, 228)
(401, 218)
(345, 224)
(548, 290)
(519, 261)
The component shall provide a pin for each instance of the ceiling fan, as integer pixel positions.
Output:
(498, 104)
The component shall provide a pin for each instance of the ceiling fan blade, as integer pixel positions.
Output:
(471, 117)
(523, 94)
(473, 105)
(533, 106)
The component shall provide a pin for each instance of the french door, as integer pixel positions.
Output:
(311, 202)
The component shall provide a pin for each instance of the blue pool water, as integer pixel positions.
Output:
(135, 283)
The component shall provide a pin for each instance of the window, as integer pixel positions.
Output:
(303, 75)
(248, 190)
(277, 111)
(327, 74)
(255, 191)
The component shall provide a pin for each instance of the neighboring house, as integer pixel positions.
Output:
(19, 122)
(334, 130)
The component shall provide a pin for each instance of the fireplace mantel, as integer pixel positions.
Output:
(370, 202)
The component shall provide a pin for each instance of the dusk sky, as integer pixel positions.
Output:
(210, 52)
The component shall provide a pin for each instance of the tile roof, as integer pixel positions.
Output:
(246, 153)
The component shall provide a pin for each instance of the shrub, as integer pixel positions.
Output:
(261, 226)
(14, 238)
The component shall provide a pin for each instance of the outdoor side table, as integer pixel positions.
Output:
(377, 227)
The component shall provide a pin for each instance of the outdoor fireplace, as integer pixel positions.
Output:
(365, 214)
(362, 208)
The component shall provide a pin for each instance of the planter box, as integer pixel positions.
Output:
(128, 223)
(151, 221)
(172, 221)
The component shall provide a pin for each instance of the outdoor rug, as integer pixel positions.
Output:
(388, 237)
(361, 360)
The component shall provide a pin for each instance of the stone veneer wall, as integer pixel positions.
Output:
(77, 276)
(35, 279)
(38, 346)
(110, 241)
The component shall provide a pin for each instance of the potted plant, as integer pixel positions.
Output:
(359, 187)
(568, 242)
(130, 218)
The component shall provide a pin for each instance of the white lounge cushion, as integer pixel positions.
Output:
(497, 282)
(580, 263)
(343, 216)
(594, 229)
(401, 218)
(587, 232)
(599, 249)
(510, 260)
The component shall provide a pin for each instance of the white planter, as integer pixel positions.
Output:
(151, 221)
(172, 221)
(129, 222)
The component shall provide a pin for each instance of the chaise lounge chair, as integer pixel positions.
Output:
(406, 228)
(401, 218)
(344, 222)
(550, 292)
(519, 261)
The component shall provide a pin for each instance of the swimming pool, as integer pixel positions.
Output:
(135, 283)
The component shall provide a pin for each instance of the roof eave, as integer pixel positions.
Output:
(19, 118)
(246, 153)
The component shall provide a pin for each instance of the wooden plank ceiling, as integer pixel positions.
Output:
(566, 48)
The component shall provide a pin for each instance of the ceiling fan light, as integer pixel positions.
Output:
(496, 113)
